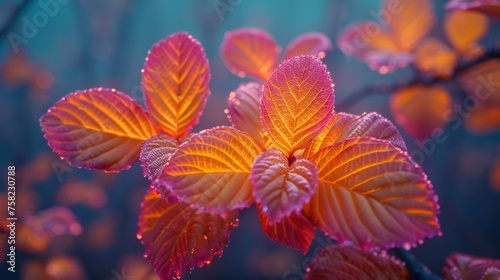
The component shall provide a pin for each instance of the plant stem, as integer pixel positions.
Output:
(416, 270)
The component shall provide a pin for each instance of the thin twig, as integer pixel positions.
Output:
(416, 270)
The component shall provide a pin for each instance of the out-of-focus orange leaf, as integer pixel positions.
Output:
(100, 233)
(32, 241)
(421, 109)
(490, 7)
(97, 129)
(463, 30)
(294, 231)
(211, 170)
(137, 267)
(65, 267)
(495, 175)
(466, 267)
(34, 270)
(350, 263)
(435, 58)
(17, 69)
(486, 119)
(281, 187)
(372, 195)
(88, 193)
(297, 103)
(250, 51)
(313, 43)
(175, 81)
(178, 238)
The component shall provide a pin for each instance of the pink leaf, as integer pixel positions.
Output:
(465, 267)
(154, 155)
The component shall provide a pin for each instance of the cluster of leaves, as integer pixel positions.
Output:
(304, 165)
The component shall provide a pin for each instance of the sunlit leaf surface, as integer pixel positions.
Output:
(297, 103)
(175, 81)
(250, 51)
(343, 126)
(372, 195)
(177, 238)
(294, 231)
(350, 263)
(280, 187)
(97, 129)
(465, 267)
(211, 170)
(421, 109)
(313, 43)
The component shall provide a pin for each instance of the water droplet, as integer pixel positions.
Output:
(321, 54)
(241, 74)
(265, 209)
(226, 111)
(205, 237)
(407, 246)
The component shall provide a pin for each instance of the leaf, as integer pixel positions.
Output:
(483, 120)
(250, 51)
(435, 58)
(466, 267)
(177, 238)
(482, 82)
(211, 170)
(350, 263)
(463, 30)
(312, 43)
(282, 188)
(495, 175)
(297, 103)
(421, 110)
(243, 110)
(490, 7)
(154, 155)
(409, 21)
(372, 195)
(343, 126)
(97, 129)
(294, 231)
(175, 81)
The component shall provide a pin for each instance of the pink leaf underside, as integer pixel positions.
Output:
(175, 81)
(465, 267)
(97, 129)
(372, 195)
(297, 103)
(211, 170)
(154, 155)
(294, 231)
(313, 43)
(54, 221)
(343, 126)
(490, 7)
(177, 238)
(250, 51)
(348, 263)
(280, 188)
(243, 109)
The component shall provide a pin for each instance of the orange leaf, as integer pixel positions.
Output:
(465, 267)
(435, 58)
(154, 155)
(243, 110)
(297, 103)
(409, 21)
(343, 126)
(97, 129)
(211, 170)
(482, 82)
(495, 175)
(250, 51)
(464, 29)
(484, 120)
(313, 43)
(282, 188)
(175, 82)
(372, 195)
(294, 231)
(490, 7)
(421, 109)
(350, 263)
(177, 238)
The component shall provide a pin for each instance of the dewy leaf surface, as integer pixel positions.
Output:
(175, 81)
(297, 103)
(465, 267)
(177, 238)
(343, 126)
(250, 51)
(312, 43)
(154, 155)
(280, 188)
(372, 195)
(339, 263)
(294, 231)
(97, 129)
(211, 170)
